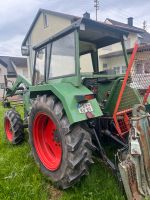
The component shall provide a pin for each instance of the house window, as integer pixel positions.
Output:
(105, 66)
(139, 67)
(45, 19)
(117, 70)
(147, 67)
(123, 70)
(120, 70)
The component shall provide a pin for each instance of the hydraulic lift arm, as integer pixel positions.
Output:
(15, 89)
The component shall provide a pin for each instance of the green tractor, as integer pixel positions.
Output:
(70, 114)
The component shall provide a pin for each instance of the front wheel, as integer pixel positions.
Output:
(62, 153)
(13, 126)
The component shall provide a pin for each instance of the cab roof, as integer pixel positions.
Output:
(98, 33)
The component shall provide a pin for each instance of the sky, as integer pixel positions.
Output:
(16, 16)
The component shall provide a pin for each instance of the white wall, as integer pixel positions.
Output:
(86, 63)
(113, 61)
(22, 71)
(116, 61)
(55, 24)
(130, 42)
(3, 71)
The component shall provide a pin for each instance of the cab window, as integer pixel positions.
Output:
(63, 57)
(39, 66)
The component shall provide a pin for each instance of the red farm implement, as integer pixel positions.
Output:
(137, 77)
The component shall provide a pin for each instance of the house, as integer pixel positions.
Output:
(11, 67)
(111, 57)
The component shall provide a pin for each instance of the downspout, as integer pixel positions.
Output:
(124, 51)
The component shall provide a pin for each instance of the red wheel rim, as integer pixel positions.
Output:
(8, 130)
(45, 135)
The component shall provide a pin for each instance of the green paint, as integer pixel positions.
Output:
(27, 103)
(129, 99)
(13, 91)
(66, 93)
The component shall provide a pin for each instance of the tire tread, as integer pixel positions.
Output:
(79, 155)
(17, 126)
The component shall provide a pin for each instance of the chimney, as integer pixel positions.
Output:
(130, 21)
(86, 15)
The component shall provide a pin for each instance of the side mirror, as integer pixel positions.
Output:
(25, 50)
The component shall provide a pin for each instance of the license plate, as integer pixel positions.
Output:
(84, 108)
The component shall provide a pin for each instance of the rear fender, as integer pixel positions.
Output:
(66, 93)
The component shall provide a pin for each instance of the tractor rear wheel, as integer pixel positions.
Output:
(62, 152)
(13, 127)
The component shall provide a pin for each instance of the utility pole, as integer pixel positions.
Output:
(96, 5)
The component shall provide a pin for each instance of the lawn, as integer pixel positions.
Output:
(20, 178)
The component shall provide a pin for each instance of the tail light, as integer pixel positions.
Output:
(82, 98)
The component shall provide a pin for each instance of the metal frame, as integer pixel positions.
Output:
(116, 113)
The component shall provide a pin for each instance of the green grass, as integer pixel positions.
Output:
(20, 178)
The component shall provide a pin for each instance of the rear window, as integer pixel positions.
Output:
(63, 57)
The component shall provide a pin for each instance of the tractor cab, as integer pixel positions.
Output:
(62, 55)
(72, 56)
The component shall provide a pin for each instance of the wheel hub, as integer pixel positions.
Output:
(8, 130)
(47, 141)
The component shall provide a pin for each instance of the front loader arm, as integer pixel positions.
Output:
(15, 87)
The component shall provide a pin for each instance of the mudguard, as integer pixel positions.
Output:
(135, 169)
(66, 93)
